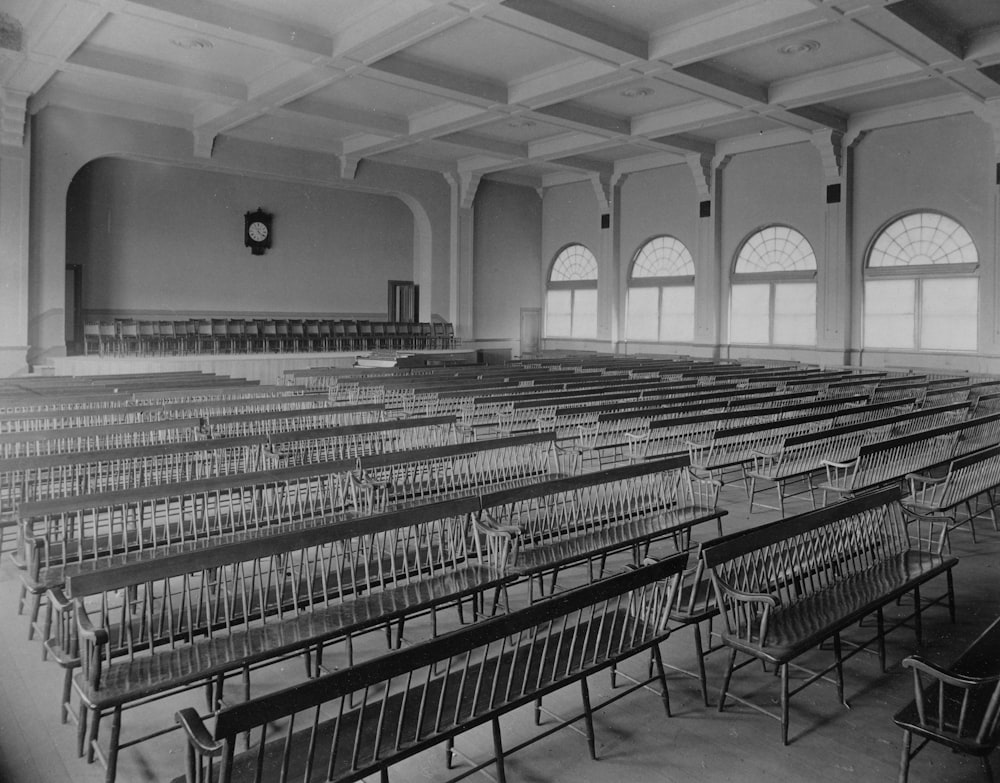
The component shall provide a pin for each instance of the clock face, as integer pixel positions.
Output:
(257, 231)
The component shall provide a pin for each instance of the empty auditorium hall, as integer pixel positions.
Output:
(501, 390)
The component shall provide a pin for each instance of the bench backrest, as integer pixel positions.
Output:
(800, 555)
(197, 591)
(452, 683)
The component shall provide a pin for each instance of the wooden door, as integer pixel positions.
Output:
(531, 330)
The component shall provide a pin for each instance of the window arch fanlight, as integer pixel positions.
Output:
(773, 292)
(922, 285)
(571, 294)
(660, 304)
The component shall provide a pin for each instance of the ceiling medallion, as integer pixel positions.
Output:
(637, 92)
(800, 47)
(192, 43)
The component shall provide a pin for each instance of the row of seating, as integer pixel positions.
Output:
(128, 337)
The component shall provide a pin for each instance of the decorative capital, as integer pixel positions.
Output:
(720, 161)
(853, 138)
(204, 142)
(349, 166)
(602, 189)
(701, 169)
(990, 114)
(468, 184)
(13, 116)
(830, 144)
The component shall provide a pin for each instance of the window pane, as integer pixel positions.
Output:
(889, 313)
(558, 309)
(585, 313)
(795, 313)
(749, 321)
(642, 312)
(677, 314)
(949, 314)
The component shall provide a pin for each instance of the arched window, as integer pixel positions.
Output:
(660, 303)
(922, 286)
(773, 299)
(571, 295)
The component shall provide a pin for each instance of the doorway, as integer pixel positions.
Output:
(404, 302)
(531, 331)
(74, 310)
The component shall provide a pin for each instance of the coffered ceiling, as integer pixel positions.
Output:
(533, 91)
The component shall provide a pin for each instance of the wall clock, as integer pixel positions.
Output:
(257, 231)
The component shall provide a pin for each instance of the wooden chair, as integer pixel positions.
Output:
(958, 707)
(236, 336)
(352, 339)
(296, 335)
(252, 335)
(282, 335)
(220, 334)
(269, 332)
(325, 334)
(365, 337)
(129, 337)
(339, 336)
(313, 341)
(92, 342)
(168, 338)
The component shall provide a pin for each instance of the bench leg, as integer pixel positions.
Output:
(728, 677)
(839, 654)
(951, 594)
(784, 704)
(116, 730)
(880, 627)
(588, 718)
(81, 729)
(92, 732)
(904, 759)
(498, 750)
(662, 677)
(699, 650)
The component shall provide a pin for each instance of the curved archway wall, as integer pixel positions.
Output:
(282, 180)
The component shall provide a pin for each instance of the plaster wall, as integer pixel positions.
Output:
(507, 265)
(155, 238)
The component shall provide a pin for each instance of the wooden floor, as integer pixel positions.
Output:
(636, 741)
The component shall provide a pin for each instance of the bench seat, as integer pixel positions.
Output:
(785, 587)
(795, 628)
(533, 557)
(432, 693)
(125, 681)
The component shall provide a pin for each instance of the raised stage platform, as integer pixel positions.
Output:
(268, 368)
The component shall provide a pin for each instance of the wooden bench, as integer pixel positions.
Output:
(734, 444)
(890, 460)
(29, 421)
(60, 532)
(143, 433)
(965, 479)
(957, 706)
(785, 587)
(670, 429)
(801, 457)
(387, 709)
(540, 529)
(148, 626)
(388, 481)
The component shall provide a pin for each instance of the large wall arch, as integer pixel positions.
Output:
(65, 140)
